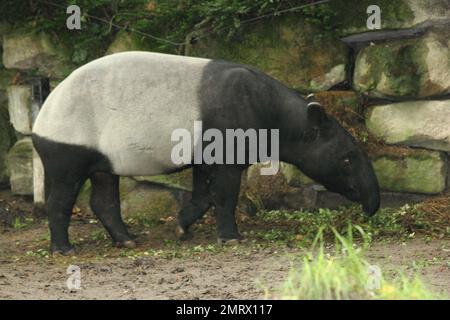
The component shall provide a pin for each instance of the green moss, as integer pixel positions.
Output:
(287, 49)
(395, 69)
(150, 202)
(6, 77)
(420, 173)
(22, 150)
(294, 177)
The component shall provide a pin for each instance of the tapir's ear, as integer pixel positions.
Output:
(316, 114)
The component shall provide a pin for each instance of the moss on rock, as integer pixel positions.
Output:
(19, 163)
(287, 49)
(424, 172)
(150, 202)
(405, 68)
(27, 51)
(294, 177)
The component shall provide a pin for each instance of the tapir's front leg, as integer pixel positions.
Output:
(224, 191)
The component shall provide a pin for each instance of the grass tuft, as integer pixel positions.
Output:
(346, 275)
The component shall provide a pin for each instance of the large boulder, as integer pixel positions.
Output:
(27, 51)
(19, 162)
(415, 123)
(420, 171)
(406, 68)
(151, 202)
(286, 48)
(19, 106)
(351, 15)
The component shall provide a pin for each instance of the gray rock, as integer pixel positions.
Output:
(19, 106)
(26, 51)
(419, 172)
(416, 123)
(147, 201)
(20, 167)
(406, 68)
(294, 177)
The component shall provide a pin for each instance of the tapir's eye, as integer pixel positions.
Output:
(347, 161)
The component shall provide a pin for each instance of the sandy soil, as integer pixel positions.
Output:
(225, 275)
(243, 272)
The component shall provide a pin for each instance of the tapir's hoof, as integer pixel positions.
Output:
(66, 251)
(231, 242)
(129, 244)
(183, 234)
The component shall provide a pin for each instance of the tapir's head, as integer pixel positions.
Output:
(331, 156)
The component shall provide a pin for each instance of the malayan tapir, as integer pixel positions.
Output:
(115, 115)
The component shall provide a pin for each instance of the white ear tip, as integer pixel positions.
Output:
(314, 104)
(310, 96)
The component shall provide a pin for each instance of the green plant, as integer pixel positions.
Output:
(345, 275)
(101, 18)
(40, 253)
(398, 223)
(21, 223)
(98, 235)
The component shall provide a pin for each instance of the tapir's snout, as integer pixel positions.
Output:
(371, 206)
(369, 190)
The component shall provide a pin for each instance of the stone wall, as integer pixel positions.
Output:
(389, 88)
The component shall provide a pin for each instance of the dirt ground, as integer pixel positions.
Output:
(163, 268)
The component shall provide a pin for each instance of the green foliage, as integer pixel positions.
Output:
(171, 20)
(394, 223)
(21, 223)
(344, 275)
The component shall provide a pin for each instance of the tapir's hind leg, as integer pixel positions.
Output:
(66, 168)
(61, 198)
(105, 202)
(197, 207)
